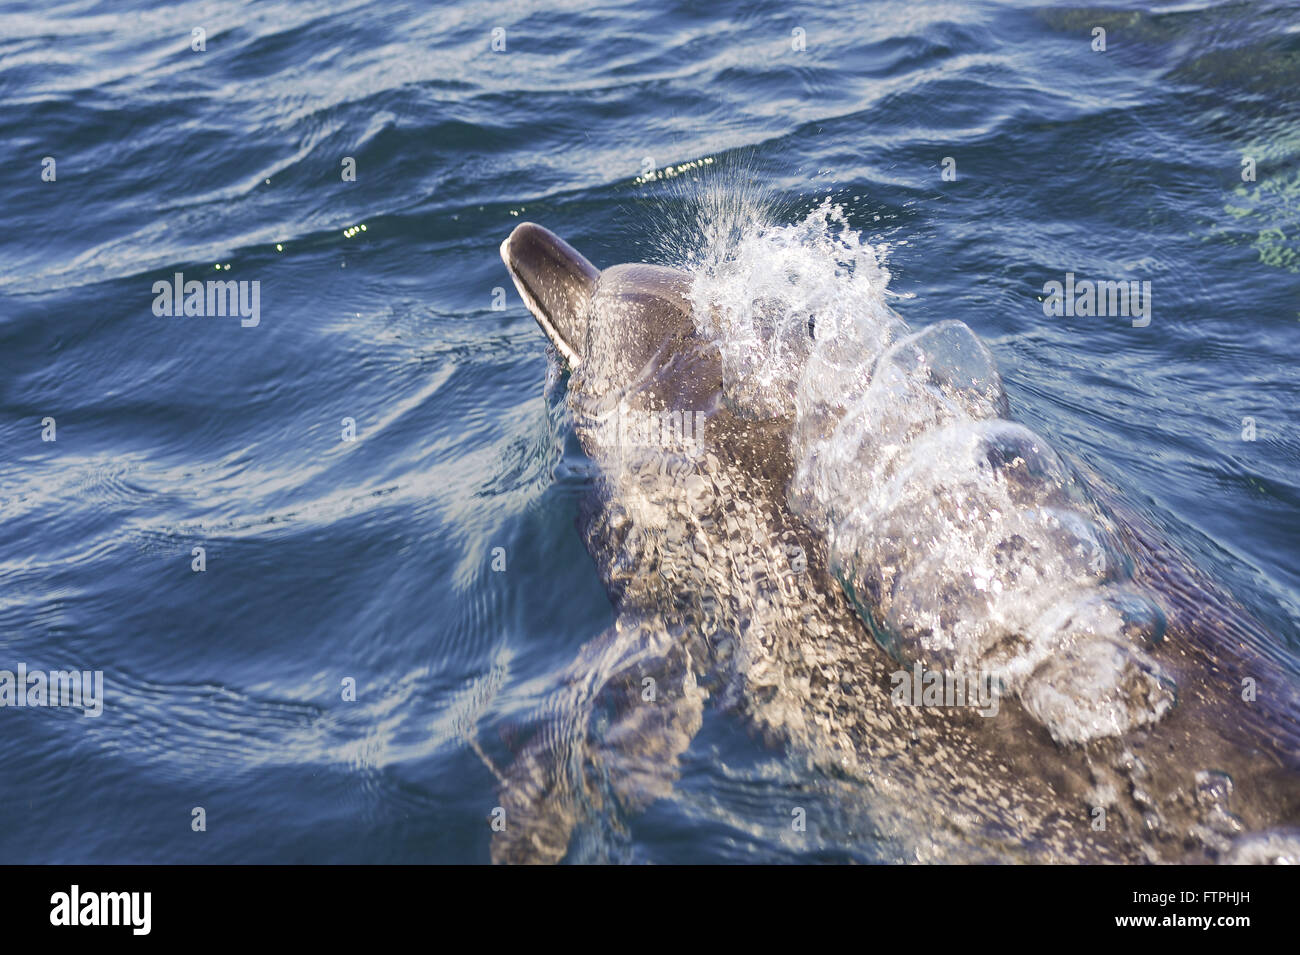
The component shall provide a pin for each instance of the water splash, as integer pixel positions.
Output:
(697, 217)
(963, 539)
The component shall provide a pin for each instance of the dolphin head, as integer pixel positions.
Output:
(556, 283)
(627, 332)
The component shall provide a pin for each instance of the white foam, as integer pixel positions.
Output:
(963, 538)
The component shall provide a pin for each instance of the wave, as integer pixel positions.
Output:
(963, 539)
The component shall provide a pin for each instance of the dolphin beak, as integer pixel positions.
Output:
(556, 283)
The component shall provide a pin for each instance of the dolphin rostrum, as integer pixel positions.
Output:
(849, 562)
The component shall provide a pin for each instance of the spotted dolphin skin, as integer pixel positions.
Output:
(885, 576)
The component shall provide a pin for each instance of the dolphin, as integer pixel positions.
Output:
(1111, 734)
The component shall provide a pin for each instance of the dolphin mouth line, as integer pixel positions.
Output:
(531, 303)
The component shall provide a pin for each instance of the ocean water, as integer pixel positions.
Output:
(354, 456)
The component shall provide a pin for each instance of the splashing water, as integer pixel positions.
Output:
(962, 538)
